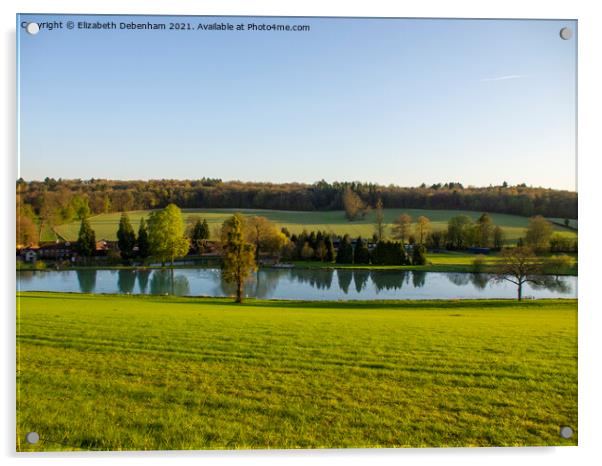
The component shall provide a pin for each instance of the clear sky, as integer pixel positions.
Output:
(387, 101)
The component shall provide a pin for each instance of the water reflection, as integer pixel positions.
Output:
(459, 279)
(316, 278)
(126, 281)
(345, 276)
(313, 284)
(263, 285)
(479, 280)
(418, 278)
(551, 283)
(167, 281)
(143, 276)
(86, 279)
(360, 278)
(388, 281)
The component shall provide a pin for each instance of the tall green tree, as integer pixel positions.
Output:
(361, 254)
(143, 244)
(80, 206)
(166, 234)
(320, 251)
(199, 235)
(86, 239)
(238, 256)
(345, 251)
(266, 236)
(331, 252)
(418, 255)
(126, 238)
(389, 253)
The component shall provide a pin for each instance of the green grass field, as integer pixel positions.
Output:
(106, 225)
(131, 372)
(448, 261)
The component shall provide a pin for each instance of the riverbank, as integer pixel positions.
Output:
(436, 262)
(191, 373)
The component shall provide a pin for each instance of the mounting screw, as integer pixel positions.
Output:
(566, 432)
(566, 33)
(32, 28)
(32, 437)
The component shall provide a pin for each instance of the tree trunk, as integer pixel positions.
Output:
(520, 291)
(239, 291)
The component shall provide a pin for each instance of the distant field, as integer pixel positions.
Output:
(573, 223)
(106, 225)
(123, 372)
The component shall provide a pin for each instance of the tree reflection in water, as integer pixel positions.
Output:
(166, 282)
(87, 280)
(126, 281)
(552, 284)
(291, 283)
(345, 276)
(360, 278)
(317, 278)
(259, 285)
(264, 284)
(24, 276)
(480, 280)
(388, 280)
(143, 276)
(458, 278)
(418, 278)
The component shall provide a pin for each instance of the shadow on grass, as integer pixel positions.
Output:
(477, 304)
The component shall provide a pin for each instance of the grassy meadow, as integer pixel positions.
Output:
(106, 372)
(105, 225)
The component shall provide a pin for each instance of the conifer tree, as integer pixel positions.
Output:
(361, 254)
(86, 239)
(345, 251)
(126, 238)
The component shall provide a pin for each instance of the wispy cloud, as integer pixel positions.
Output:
(504, 78)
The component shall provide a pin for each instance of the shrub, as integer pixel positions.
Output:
(40, 265)
(419, 255)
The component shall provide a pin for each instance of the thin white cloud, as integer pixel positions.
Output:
(504, 78)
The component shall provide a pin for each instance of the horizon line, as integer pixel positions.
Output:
(307, 183)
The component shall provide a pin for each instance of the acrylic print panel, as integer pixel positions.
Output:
(271, 232)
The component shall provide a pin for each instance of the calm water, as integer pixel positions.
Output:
(293, 284)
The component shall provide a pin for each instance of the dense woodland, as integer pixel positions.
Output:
(64, 197)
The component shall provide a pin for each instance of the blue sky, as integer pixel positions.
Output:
(386, 101)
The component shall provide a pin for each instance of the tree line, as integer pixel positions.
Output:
(61, 200)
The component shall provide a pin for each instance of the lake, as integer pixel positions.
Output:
(304, 284)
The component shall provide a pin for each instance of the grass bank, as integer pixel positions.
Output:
(436, 262)
(145, 372)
